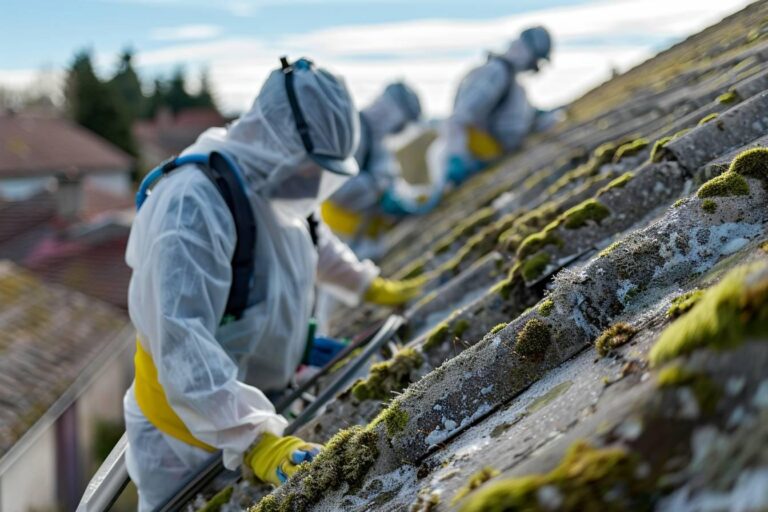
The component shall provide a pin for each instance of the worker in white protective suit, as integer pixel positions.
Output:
(362, 208)
(201, 383)
(491, 114)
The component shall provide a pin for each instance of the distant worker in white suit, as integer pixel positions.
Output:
(491, 113)
(358, 210)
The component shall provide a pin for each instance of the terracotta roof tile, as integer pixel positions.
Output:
(45, 146)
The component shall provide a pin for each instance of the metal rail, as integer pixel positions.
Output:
(112, 477)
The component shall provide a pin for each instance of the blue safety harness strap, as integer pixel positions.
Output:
(225, 175)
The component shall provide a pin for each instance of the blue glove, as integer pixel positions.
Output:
(459, 171)
(392, 205)
(323, 350)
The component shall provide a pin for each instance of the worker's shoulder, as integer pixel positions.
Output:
(188, 190)
(492, 69)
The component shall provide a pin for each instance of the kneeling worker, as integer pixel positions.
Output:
(360, 209)
(491, 113)
(224, 267)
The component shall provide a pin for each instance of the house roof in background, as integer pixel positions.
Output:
(167, 134)
(43, 146)
(48, 336)
(88, 257)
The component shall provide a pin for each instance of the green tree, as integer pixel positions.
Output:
(96, 106)
(156, 100)
(127, 85)
(177, 98)
(205, 97)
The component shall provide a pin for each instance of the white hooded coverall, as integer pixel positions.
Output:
(180, 250)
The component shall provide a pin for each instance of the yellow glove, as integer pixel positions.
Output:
(273, 459)
(393, 293)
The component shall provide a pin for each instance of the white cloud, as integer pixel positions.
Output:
(185, 33)
(590, 40)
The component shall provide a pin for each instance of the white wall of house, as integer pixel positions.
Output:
(103, 402)
(18, 189)
(116, 183)
(30, 482)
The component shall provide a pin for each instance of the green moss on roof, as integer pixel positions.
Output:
(534, 339)
(709, 206)
(546, 307)
(460, 327)
(728, 97)
(619, 182)
(475, 481)
(534, 243)
(752, 163)
(704, 120)
(533, 266)
(683, 303)
(657, 154)
(465, 228)
(345, 459)
(600, 156)
(437, 335)
(728, 312)
(615, 336)
(394, 418)
(608, 250)
(389, 376)
(219, 500)
(727, 184)
(496, 328)
(580, 215)
(582, 480)
(630, 148)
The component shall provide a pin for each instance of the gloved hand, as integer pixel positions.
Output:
(322, 350)
(459, 170)
(273, 459)
(392, 204)
(393, 293)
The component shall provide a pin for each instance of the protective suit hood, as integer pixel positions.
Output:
(397, 106)
(269, 149)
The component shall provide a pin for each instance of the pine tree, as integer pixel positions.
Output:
(177, 98)
(205, 97)
(127, 85)
(96, 106)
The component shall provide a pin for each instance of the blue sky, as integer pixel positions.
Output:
(430, 43)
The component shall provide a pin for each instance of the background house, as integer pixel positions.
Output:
(167, 134)
(65, 205)
(65, 361)
(43, 152)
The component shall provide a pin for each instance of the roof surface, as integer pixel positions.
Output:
(41, 146)
(592, 335)
(48, 336)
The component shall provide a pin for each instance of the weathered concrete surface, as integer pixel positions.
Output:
(509, 378)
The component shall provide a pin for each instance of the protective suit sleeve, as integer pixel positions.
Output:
(183, 283)
(363, 192)
(339, 270)
(480, 92)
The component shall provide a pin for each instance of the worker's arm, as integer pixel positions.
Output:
(339, 270)
(363, 192)
(183, 284)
